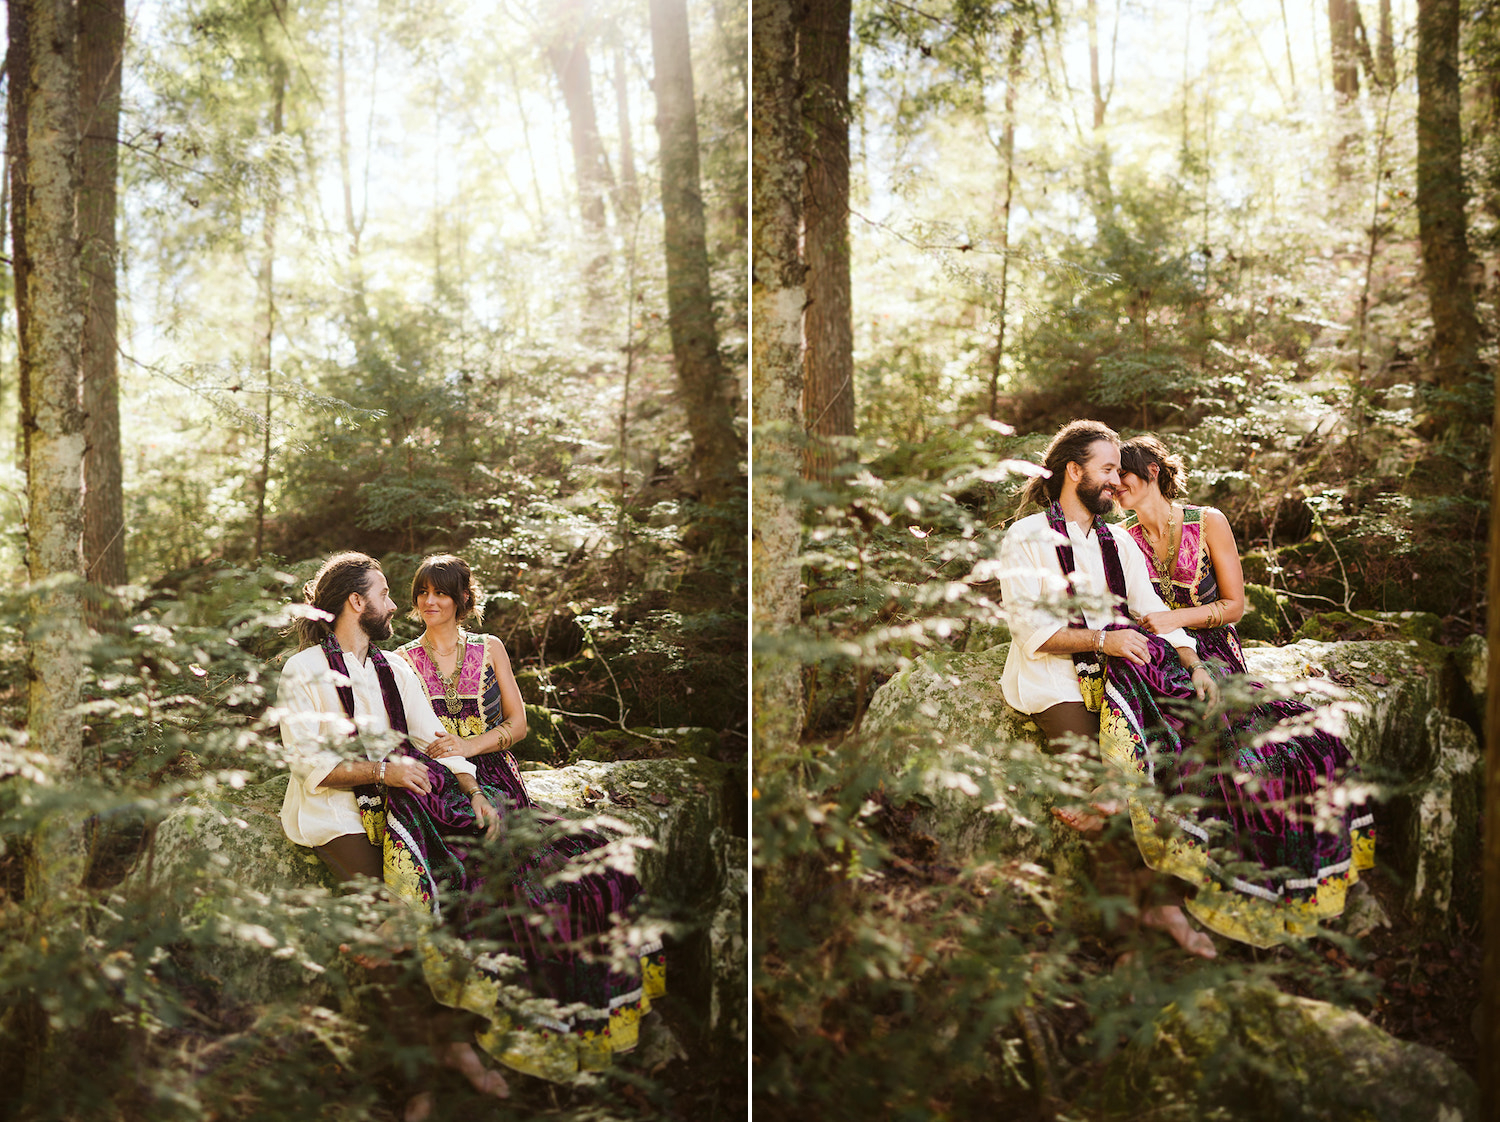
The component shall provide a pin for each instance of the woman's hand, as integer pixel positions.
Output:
(1160, 623)
(446, 744)
(1204, 685)
(404, 771)
(486, 817)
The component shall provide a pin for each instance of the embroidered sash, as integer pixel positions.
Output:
(370, 797)
(1089, 665)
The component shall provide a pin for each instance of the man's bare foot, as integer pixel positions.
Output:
(418, 1108)
(1174, 921)
(1084, 819)
(462, 1058)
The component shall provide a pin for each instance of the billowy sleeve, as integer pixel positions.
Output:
(1140, 593)
(308, 727)
(1031, 585)
(422, 723)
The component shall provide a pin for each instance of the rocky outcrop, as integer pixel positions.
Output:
(225, 850)
(1391, 700)
(1249, 1052)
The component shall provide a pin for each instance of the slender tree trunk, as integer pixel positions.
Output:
(690, 312)
(51, 352)
(1441, 196)
(1008, 155)
(100, 51)
(18, 70)
(1343, 50)
(1095, 84)
(1385, 47)
(827, 323)
(1489, 1004)
(351, 224)
(570, 62)
(630, 192)
(777, 299)
(1286, 32)
(267, 332)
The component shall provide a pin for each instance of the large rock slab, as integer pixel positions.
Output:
(1250, 1052)
(1390, 701)
(224, 848)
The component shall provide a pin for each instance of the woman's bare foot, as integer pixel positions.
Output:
(1084, 819)
(1174, 921)
(418, 1108)
(462, 1058)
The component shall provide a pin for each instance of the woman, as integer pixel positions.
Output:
(1255, 796)
(473, 692)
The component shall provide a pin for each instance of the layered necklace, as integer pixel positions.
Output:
(451, 701)
(1164, 551)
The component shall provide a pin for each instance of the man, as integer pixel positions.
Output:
(1053, 659)
(354, 603)
(353, 607)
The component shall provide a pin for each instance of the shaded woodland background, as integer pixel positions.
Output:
(1267, 233)
(290, 278)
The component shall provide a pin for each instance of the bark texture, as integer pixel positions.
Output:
(100, 50)
(1342, 42)
(777, 298)
(1441, 196)
(827, 324)
(1489, 1019)
(51, 351)
(701, 374)
(18, 77)
(570, 62)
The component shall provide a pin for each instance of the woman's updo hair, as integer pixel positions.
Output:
(1071, 445)
(1138, 454)
(450, 575)
(341, 576)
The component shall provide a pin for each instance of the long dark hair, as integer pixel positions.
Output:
(449, 575)
(1138, 454)
(341, 576)
(1070, 446)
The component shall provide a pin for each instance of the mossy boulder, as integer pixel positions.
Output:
(1329, 627)
(1249, 1052)
(542, 740)
(1473, 662)
(987, 786)
(1264, 617)
(225, 850)
(646, 744)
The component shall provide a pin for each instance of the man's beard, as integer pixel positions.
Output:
(1091, 495)
(377, 627)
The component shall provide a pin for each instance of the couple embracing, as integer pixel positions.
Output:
(417, 819)
(1116, 631)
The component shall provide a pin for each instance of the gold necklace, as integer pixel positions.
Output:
(451, 700)
(1163, 567)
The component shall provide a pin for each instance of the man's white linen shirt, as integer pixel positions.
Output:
(317, 737)
(1033, 590)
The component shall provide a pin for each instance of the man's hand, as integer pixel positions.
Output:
(404, 771)
(446, 744)
(1129, 644)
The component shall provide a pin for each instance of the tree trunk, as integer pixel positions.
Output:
(630, 192)
(101, 46)
(18, 69)
(1385, 47)
(777, 298)
(690, 312)
(1100, 103)
(267, 327)
(1008, 154)
(827, 323)
(51, 353)
(570, 62)
(1343, 49)
(1489, 1016)
(1441, 196)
